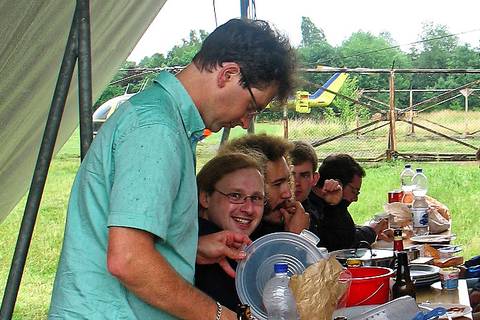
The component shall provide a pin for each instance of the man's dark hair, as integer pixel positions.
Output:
(303, 152)
(263, 54)
(272, 147)
(340, 167)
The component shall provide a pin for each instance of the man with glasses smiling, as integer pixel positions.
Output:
(282, 212)
(336, 227)
(131, 237)
(231, 197)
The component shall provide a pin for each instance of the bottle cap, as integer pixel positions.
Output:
(408, 165)
(352, 262)
(280, 267)
(419, 170)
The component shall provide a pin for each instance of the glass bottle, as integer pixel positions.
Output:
(397, 240)
(403, 285)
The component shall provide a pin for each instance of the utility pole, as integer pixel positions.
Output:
(244, 4)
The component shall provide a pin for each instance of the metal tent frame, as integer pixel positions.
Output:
(78, 48)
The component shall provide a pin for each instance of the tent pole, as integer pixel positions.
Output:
(84, 76)
(40, 174)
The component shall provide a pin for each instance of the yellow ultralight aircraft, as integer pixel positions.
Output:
(303, 101)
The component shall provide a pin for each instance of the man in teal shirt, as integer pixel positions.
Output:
(130, 242)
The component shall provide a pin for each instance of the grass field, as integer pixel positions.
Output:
(455, 184)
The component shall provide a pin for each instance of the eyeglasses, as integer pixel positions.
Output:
(257, 109)
(239, 198)
(355, 191)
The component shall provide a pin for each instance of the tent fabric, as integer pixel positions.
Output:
(33, 36)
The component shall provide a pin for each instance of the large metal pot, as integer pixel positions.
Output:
(368, 256)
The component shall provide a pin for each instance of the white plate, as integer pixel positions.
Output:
(464, 310)
(432, 238)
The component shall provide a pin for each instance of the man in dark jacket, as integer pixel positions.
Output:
(305, 164)
(336, 228)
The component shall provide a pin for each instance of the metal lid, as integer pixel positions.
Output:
(362, 254)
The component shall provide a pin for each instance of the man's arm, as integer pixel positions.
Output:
(133, 260)
(364, 233)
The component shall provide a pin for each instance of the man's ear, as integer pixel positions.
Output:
(229, 71)
(203, 199)
(316, 176)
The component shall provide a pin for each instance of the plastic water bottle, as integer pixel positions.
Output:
(407, 184)
(420, 216)
(406, 178)
(278, 297)
(419, 182)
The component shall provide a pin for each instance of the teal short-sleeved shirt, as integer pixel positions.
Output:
(138, 173)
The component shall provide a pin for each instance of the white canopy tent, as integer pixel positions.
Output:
(41, 43)
(33, 37)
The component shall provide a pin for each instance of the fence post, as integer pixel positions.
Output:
(285, 121)
(392, 145)
(466, 92)
(410, 113)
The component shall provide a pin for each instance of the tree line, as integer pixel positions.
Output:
(436, 48)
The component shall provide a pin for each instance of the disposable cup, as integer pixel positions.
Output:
(449, 278)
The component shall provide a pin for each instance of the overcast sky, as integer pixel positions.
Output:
(338, 18)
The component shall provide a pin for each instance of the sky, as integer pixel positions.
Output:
(338, 19)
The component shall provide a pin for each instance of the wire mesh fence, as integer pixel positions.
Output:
(418, 124)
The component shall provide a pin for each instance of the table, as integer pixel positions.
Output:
(435, 294)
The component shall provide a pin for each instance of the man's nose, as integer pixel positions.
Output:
(297, 180)
(247, 207)
(286, 192)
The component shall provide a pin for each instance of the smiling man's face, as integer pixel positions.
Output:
(240, 217)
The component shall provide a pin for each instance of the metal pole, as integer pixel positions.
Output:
(40, 173)
(251, 128)
(84, 76)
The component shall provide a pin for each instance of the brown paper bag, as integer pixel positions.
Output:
(318, 290)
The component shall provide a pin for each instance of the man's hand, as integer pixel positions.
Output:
(379, 226)
(331, 192)
(386, 235)
(295, 217)
(216, 247)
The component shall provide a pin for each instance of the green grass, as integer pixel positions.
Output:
(455, 184)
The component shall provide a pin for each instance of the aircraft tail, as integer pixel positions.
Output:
(334, 84)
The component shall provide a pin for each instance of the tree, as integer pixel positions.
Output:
(181, 55)
(436, 47)
(365, 50)
(119, 88)
(311, 34)
(155, 61)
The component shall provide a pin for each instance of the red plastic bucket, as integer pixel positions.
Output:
(369, 285)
